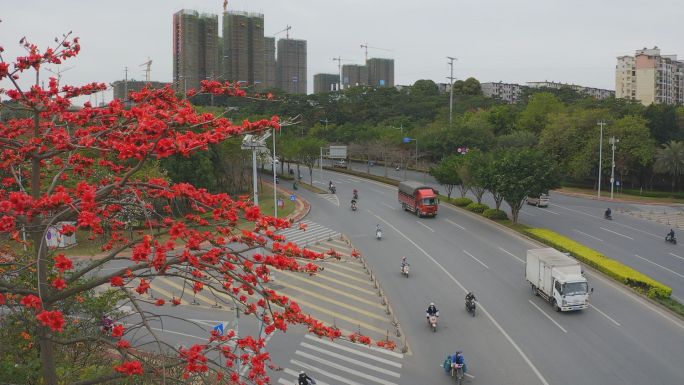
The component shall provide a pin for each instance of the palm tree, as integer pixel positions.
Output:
(670, 160)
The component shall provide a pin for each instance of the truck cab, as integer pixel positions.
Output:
(570, 291)
(418, 198)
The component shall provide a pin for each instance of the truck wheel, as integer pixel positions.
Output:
(534, 291)
(555, 305)
(418, 213)
(403, 206)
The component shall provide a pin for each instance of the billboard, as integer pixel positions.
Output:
(338, 152)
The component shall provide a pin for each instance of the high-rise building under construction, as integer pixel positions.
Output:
(354, 75)
(380, 72)
(325, 83)
(243, 53)
(195, 48)
(291, 66)
(269, 63)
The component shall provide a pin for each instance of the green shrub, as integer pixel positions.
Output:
(461, 202)
(477, 207)
(611, 267)
(494, 214)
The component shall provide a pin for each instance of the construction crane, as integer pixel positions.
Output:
(286, 30)
(339, 61)
(366, 46)
(225, 6)
(148, 63)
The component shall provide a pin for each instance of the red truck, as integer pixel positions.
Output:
(418, 198)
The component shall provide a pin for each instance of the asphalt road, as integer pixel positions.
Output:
(636, 242)
(516, 338)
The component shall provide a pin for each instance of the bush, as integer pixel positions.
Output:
(477, 207)
(461, 202)
(611, 267)
(495, 214)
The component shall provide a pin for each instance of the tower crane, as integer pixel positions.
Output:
(225, 6)
(339, 61)
(366, 46)
(148, 63)
(286, 30)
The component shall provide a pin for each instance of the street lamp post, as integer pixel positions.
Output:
(275, 178)
(451, 87)
(600, 157)
(613, 142)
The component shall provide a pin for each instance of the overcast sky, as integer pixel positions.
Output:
(573, 41)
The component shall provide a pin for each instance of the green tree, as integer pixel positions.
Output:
(424, 88)
(308, 152)
(670, 160)
(475, 166)
(517, 139)
(445, 172)
(636, 148)
(520, 173)
(535, 115)
(488, 178)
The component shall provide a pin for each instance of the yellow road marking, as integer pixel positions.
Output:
(336, 315)
(370, 292)
(342, 293)
(343, 265)
(337, 303)
(364, 281)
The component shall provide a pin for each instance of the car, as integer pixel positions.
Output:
(340, 163)
(540, 201)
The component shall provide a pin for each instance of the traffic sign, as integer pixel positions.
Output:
(281, 203)
(293, 197)
(407, 140)
(220, 328)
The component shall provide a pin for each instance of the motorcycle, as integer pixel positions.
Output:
(353, 206)
(608, 216)
(470, 307)
(332, 189)
(378, 234)
(432, 320)
(405, 270)
(670, 239)
(356, 195)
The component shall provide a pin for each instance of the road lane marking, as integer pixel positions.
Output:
(482, 308)
(295, 374)
(378, 191)
(617, 223)
(590, 236)
(547, 316)
(344, 369)
(363, 280)
(605, 315)
(386, 205)
(424, 225)
(552, 212)
(511, 254)
(675, 255)
(455, 224)
(332, 301)
(473, 257)
(616, 233)
(352, 320)
(365, 291)
(660, 266)
(350, 360)
(180, 334)
(339, 345)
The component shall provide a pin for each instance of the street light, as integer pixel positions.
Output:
(600, 157)
(451, 87)
(409, 140)
(613, 142)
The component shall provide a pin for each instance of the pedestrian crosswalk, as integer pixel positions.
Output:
(313, 233)
(342, 362)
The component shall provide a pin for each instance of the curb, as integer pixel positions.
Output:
(621, 200)
(303, 207)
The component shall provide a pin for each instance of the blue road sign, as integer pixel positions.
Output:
(219, 328)
(293, 197)
(407, 140)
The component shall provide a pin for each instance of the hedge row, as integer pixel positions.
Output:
(377, 178)
(608, 266)
(495, 214)
(461, 202)
(477, 207)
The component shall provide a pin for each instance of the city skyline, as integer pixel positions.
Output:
(537, 45)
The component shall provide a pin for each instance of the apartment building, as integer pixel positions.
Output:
(650, 77)
(195, 48)
(507, 92)
(291, 66)
(380, 72)
(598, 93)
(325, 83)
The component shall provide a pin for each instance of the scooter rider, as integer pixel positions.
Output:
(670, 235)
(303, 379)
(431, 311)
(107, 324)
(403, 263)
(608, 213)
(353, 204)
(470, 297)
(459, 359)
(356, 194)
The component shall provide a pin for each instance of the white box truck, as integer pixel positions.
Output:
(557, 278)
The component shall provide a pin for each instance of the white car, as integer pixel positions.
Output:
(340, 163)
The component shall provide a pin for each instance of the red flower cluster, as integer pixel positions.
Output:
(32, 301)
(52, 319)
(59, 283)
(118, 331)
(130, 368)
(63, 263)
(116, 281)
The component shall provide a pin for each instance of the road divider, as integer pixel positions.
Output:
(608, 266)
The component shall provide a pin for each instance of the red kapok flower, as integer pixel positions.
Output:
(52, 319)
(118, 331)
(176, 301)
(63, 263)
(123, 344)
(143, 287)
(32, 301)
(130, 368)
(160, 302)
(59, 283)
(116, 281)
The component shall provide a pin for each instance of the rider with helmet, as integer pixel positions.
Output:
(431, 311)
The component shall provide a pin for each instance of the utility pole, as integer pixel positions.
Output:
(275, 178)
(600, 157)
(451, 87)
(613, 141)
(125, 84)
